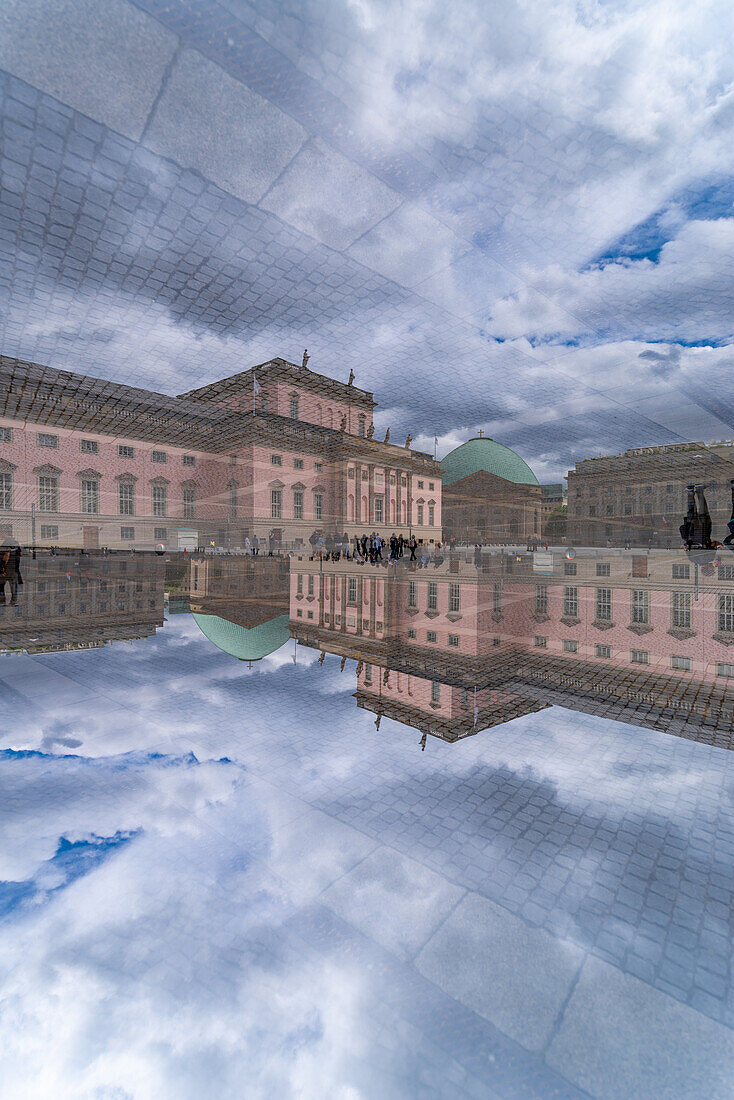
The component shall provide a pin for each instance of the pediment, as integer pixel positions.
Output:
(89, 473)
(47, 470)
(6, 467)
(159, 481)
(275, 484)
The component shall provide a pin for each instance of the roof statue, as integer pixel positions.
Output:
(387, 436)
(351, 377)
(409, 440)
(370, 431)
(306, 358)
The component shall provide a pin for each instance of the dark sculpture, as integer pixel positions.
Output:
(306, 358)
(409, 440)
(351, 377)
(387, 436)
(370, 431)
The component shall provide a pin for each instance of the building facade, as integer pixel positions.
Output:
(640, 496)
(275, 452)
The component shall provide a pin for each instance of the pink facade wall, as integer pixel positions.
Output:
(313, 408)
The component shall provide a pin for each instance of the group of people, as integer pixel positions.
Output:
(373, 549)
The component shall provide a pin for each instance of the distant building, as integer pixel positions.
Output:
(640, 496)
(490, 494)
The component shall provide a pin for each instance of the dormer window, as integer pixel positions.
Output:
(294, 407)
(362, 425)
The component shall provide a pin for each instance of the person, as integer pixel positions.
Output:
(412, 543)
(730, 537)
(247, 544)
(364, 546)
(255, 545)
(322, 658)
(378, 551)
(478, 556)
(695, 529)
(422, 742)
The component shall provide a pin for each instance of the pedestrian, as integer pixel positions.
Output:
(412, 544)
(247, 544)
(255, 545)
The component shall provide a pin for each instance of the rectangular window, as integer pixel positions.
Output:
(89, 446)
(570, 647)
(189, 460)
(350, 472)
(276, 503)
(496, 641)
(435, 691)
(297, 463)
(412, 593)
(318, 506)
(127, 533)
(352, 590)
(683, 664)
(541, 599)
(681, 610)
(430, 485)
(640, 657)
(602, 569)
(160, 533)
(681, 572)
(603, 650)
(432, 636)
(298, 504)
(726, 614)
(124, 451)
(640, 605)
(310, 584)
(724, 669)
(420, 515)
(160, 500)
(361, 426)
(48, 494)
(420, 484)
(454, 640)
(158, 456)
(454, 597)
(604, 604)
(126, 492)
(318, 467)
(412, 633)
(299, 584)
(379, 503)
(497, 597)
(368, 673)
(276, 460)
(540, 643)
(569, 568)
(233, 460)
(431, 515)
(45, 440)
(294, 408)
(233, 501)
(6, 491)
(189, 503)
(571, 602)
(6, 435)
(49, 531)
(432, 596)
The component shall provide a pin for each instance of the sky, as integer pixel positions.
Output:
(513, 217)
(198, 860)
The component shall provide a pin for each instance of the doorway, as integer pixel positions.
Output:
(90, 536)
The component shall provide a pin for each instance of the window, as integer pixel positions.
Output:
(6, 435)
(294, 407)
(45, 440)
(726, 614)
(432, 596)
(318, 467)
(127, 533)
(497, 597)
(362, 425)
(6, 491)
(592, 509)
(454, 640)
(124, 451)
(160, 533)
(189, 503)
(420, 515)
(431, 515)
(264, 403)
(569, 568)
(454, 597)
(726, 572)
(189, 460)
(233, 500)
(89, 446)
(298, 504)
(318, 506)
(412, 633)
(350, 472)
(430, 485)
(48, 494)
(681, 610)
(233, 460)
(640, 605)
(541, 599)
(276, 460)
(602, 569)
(435, 691)
(603, 650)
(540, 643)
(724, 670)
(604, 604)
(352, 590)
(432, 636)
(49, 531)
(412, 593)
(297, 463)
(640, 657)
(420, 484)
(571, 602)
(570, 647)
(496, 641)
(683, 664)
(310, 584)
(299, 584)
(379, 509)
(160, 500)
(681, 572)
(158, 456)
(126, 493)
(368, 673)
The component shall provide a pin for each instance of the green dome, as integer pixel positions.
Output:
(489, 455)
(246, 645)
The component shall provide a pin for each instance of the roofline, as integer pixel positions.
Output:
(277, 364)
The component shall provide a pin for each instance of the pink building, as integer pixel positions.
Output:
(275, 452)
